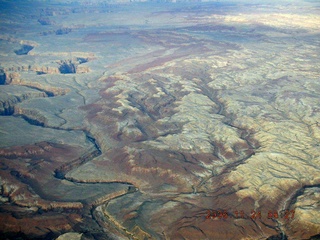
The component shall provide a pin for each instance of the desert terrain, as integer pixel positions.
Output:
(160, 120)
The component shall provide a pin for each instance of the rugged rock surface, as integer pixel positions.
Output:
(196, 121)
(10, 96)
(24, 50)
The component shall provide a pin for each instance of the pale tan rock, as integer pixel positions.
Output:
(70, 236)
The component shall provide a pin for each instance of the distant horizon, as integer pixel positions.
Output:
(93, 2)
(159, 120)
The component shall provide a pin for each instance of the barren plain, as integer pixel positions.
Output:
(160, 120)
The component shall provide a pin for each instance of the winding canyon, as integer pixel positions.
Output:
(145, 120)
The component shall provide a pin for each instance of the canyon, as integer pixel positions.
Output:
(190, 120)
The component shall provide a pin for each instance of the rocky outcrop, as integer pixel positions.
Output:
(8, 102)
(62, 170)
(72, 66)
(45, 21)
(32, 116)
(62, 31)
(24, 50)
(70, 236)
(108, 197)
(10, 75)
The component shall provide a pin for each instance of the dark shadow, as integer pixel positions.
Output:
(24, 50)
(315, 237)
(3, 77)
(67, 67)
(280, 236)
(63, 31)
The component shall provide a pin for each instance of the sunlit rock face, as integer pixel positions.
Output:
(160, 121)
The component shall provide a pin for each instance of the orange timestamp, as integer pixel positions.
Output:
(271, 214)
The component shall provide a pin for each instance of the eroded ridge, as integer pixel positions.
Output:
(28, 182)
(209, 133)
